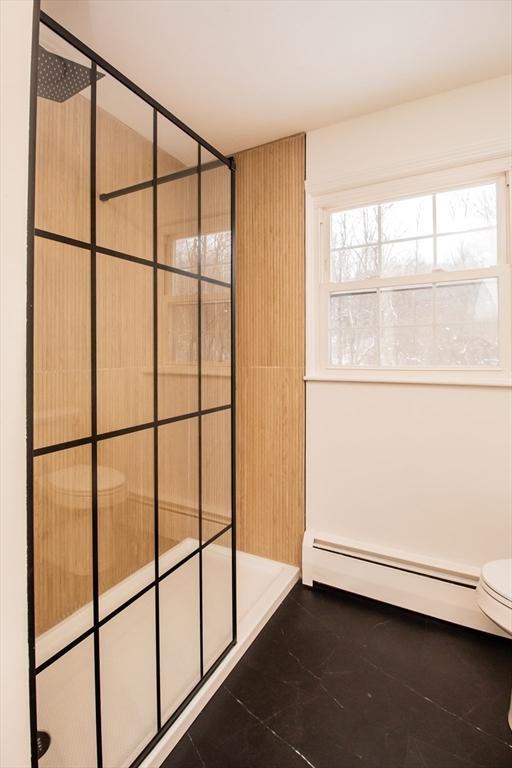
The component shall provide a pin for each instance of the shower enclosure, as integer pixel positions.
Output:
(131, 411)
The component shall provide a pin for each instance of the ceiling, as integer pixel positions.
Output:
(244, 72)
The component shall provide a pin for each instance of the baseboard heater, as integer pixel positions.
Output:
(440, 589)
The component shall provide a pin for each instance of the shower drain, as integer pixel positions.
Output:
(43, 742)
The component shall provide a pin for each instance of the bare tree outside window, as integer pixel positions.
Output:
(449, 324)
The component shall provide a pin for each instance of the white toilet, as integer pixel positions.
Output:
(69, 493)
(494, 596)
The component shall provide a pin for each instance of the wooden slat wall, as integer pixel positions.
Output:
(270, 349)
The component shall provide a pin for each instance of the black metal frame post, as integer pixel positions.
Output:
(95, 437)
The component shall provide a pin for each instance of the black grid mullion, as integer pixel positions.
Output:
(94, 429)
(129, 601)
(127, 257)
(125, 430)
(233, 405)
(199, 405)
(155, 416)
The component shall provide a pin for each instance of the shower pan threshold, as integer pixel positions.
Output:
(262, 585)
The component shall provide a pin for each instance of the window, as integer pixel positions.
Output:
(416, 283)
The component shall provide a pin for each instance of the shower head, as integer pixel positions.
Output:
(58, 78)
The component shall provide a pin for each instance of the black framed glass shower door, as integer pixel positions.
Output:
(131, 485)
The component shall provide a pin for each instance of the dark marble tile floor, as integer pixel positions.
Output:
(339, 681)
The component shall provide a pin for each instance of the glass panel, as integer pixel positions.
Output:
(472, 344)
(216, 472)
(217, 599)
(125, 517)
(215, 218)
(178, 490)
(128, 682)
(467, 302)
(66, 709)
(472, 250)
(62, 547)
(62, 201)
(353, 322)
(411, 217)
(354, 309)
(62, 343)
(358, 226)
(406, 346)
(409, 257)
(124, 150)
(125, 343)
(179, 635)
(354, 347)
(467, 317)
(463, 209)
(177, 197)
(407, 306)
(177, 345)
(354, 264)
(215, 345)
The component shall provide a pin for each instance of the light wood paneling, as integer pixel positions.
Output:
(62, 349)
(270, 349)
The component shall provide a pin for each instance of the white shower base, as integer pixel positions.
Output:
(66, 689)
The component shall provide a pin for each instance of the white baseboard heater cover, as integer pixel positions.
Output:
(435, 588)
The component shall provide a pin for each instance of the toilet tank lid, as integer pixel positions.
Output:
(498, 576)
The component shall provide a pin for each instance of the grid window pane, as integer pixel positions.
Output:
(407, 306)
(358, 226)
(124, 157)
(177, 345)
(124, 343)
(63, 139)
(62, 548)
(217, 597)
(62, 343)
(180, 635)
(216, 472)
(66, 709)
(408, 257)
(215, 345)
(354, 347)
(467, 302)
(463, 209)
(125, 517)
(467, 344)
(354, 264)
(470, 250)
(178, 490)
(406, 218)
(349, 310)
(215, 218)
(178, 205)
(467, 323)
(128, 682)
(407, 346)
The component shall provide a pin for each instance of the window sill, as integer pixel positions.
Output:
(463, 379)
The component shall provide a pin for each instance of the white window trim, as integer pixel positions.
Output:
(318, 209)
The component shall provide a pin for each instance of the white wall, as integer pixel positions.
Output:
(16, 37)
(421, 468)
(439, 131)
